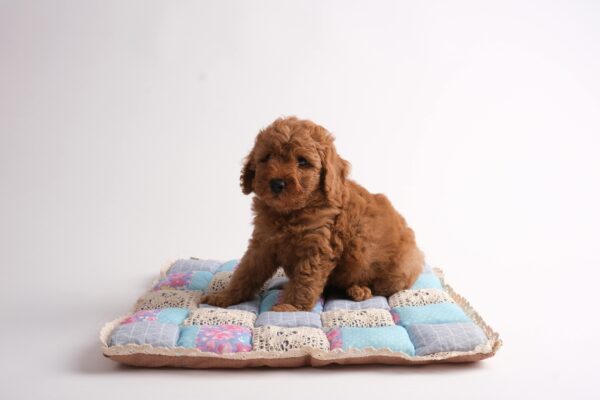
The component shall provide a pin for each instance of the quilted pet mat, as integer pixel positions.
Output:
(168, 326)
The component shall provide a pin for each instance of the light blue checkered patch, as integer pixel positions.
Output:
(153, 333)
(429, 339)
(289, 319)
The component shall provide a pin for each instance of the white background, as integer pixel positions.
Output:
(122, 130)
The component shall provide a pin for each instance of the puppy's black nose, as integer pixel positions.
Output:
(277, 185)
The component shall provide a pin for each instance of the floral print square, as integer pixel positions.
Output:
(174, 281)
(217, 339)
(143, 315)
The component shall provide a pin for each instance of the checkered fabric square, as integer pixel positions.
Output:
(146, 332)
(289, 319)
(429, 339)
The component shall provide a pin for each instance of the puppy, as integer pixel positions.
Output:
(322, 228)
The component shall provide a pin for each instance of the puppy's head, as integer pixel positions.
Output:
(292, 164)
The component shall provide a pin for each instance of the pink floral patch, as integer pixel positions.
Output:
(335, 338)
(145, 315)
(174, 281)
(395, 316)
(224, 339)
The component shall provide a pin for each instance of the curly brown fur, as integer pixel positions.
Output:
(324, 229)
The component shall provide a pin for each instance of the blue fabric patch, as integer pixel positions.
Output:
(173, 315)
(250, 305)
(429, 339)
(200, 280)
(269, 299)
(441, 313)
(427, 280)
(228, 266)
(187, 336)
(289, 319)
(145, 332)
(277, 283)
(394, 338)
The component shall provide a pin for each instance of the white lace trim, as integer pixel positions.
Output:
(419, 297)
(219, 281)
(217, 316)
(276, 339)
(280, 273)
(369, 318)
(168, 298)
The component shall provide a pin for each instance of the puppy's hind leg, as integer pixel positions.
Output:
(400, 274)
(359, 293)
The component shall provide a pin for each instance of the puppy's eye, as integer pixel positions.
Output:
(302, 162)
(265, 158)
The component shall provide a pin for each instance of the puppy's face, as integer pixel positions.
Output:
(288, 166)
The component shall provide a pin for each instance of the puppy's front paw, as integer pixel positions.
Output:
(221, 299)
(284, 307)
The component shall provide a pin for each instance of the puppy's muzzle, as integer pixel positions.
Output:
(277, 185)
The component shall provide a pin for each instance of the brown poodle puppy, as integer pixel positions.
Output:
(324, 229)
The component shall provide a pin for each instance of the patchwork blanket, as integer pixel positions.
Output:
(429, 323)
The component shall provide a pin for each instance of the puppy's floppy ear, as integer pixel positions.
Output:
(247, 175)
(334, 171)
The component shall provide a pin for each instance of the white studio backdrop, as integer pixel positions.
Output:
(123, 126)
